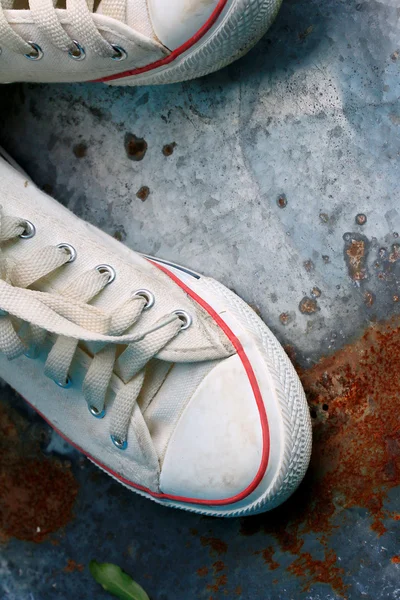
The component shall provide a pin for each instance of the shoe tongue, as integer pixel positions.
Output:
(116, 9)
(133, 13)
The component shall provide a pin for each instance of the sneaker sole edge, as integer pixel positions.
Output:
(238, 27)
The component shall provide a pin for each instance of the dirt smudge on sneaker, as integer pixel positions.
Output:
(37, 493)
(354, 400)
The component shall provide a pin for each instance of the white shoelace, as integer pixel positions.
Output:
(47, 19)
(27, 317)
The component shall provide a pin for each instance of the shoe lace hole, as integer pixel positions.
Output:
(64, 384)
(119, 53)
(119, 443)
(148, 296)
(36, 53)
(71, 251)
(77, 52)
(29, 230)
(99, 414)
(185, 318)
(107, 269)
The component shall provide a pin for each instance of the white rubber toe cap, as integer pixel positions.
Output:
(218, 446)
(176, 21)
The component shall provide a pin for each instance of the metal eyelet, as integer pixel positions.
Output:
(78, 52)
(99, 414)
(120, 444)
(71, 251)
(107, 269)
(64, 384)
(37, 52)
(29, 230)
(148, 296)
(32, 353)
(185, 318)
(120, 53)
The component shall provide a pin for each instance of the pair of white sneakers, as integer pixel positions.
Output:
(162, 377)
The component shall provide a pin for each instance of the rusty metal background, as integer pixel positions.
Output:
(280, 177)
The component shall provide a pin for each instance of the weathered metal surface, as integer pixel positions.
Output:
(280, 177)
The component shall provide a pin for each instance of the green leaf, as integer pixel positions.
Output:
(116, 582)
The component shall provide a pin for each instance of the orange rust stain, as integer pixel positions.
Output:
(72, 566)
(220, 579)
(202, 572)
(218, 566)
(356, 263)
(220, 582)
(218, 546)
(396, 560)
(395, 254)
(37, 494)
(354, 395)
(267, 555)
(318, 571)
(308, 306)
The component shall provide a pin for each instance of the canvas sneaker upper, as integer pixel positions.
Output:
(163, 377)
(128, 42)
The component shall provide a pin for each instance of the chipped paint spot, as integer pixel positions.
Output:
(168, 149)
(309, 266)
(395, 253)
(308, 306)
(135, 147)
(369, 299)
(143, 193)
(282, 201)
(284, 318)
(355, 254)
(361, 219)
(80, 150)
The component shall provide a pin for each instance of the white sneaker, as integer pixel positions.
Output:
(126, 42)
(162, 377)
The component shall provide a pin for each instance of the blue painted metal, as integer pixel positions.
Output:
(313, 113)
